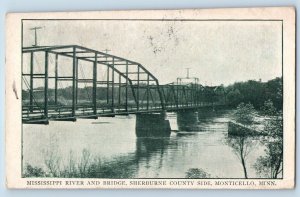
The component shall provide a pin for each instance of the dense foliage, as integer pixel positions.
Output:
(271, 165)
(255, 92)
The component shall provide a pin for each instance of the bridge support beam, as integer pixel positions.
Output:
(113, 86)
(31, 83)
(95, 85)
(138, 88)
(46, 86)
(74, 79)
(152, 125)
(187, 120)
(56, 77)
(126, 88)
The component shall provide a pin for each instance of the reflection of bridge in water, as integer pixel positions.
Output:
(70, 82)
(127, 166)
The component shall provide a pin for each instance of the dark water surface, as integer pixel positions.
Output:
(111, 142)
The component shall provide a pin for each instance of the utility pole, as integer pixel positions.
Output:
(35, 34)
(106, 51)
(187, 73)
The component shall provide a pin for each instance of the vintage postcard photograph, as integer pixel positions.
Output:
(191, 99)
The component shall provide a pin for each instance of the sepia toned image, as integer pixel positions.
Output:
(177, 99)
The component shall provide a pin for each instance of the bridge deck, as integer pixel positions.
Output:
(65, 113)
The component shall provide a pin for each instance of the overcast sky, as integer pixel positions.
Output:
(218, 52)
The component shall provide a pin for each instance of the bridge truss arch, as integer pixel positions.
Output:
(95, 84)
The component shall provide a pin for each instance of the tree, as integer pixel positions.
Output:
(255, 92)
(234, 97)
(271, 165)
(242, 146)
(245, 113)
(268, 109)
(273, 91)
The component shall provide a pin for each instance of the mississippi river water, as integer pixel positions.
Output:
(113, 142)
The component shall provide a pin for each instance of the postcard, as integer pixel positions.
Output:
(168, 99)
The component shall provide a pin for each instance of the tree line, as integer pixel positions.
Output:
(255, 92)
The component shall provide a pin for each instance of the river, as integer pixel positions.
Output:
(111, 143)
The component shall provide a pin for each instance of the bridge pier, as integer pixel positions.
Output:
(187, 120)
(152, 125)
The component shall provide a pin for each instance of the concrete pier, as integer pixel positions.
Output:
(152, 125)
(187, 120)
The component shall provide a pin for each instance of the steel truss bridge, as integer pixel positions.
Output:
(70, 82)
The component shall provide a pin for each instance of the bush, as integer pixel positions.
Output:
(194, 173)
(31, 171)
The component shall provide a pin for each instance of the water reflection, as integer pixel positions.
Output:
(185, 134)
(145, 147)
(127, 166)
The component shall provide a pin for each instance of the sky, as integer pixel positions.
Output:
(217, 52)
